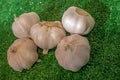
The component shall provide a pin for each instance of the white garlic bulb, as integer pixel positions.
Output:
(76, 20)
(73, 52)
(22, 54)
(21, 26)
(47, 34)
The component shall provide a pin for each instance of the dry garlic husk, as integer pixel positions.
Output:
(47, 34)
(21, 26)
(22, 54)
(76, 20)
(73, 52)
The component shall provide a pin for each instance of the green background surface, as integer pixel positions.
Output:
(104, 39)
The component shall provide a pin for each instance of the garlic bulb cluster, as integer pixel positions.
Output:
(76, 20)
(73, 52)
(47, 34)
(22, 54)
(22, 24)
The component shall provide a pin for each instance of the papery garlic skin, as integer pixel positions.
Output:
(21, 26)
(73, 52)
(76, 20)
(22, 54)
(47, 34)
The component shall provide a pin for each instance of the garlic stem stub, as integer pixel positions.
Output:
(77, 20)
(22, 54)
(22, 24)
(47, 34)
(73, 52)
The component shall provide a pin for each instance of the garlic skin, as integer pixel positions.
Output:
(22, 54)
(73, 52)
(47, 34)
(21, 26)
(76, 20)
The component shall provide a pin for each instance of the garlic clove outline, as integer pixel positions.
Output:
(22, 24)
(22, 54)
(73, 52)
(77, 20)
(47, 34)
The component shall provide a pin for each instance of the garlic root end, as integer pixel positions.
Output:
(45, 51)
(39, 60)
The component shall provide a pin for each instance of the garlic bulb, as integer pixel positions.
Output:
(22, 54)
(73, 52)
(21, 26)
(76, 20)
(47, 34)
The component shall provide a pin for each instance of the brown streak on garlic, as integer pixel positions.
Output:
(81, 12)
(73, 52)
(47, 34)
(22, 54)
(51, 24)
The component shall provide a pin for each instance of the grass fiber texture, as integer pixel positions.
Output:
(104, 63)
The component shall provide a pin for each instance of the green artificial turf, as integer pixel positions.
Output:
(104, 39)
